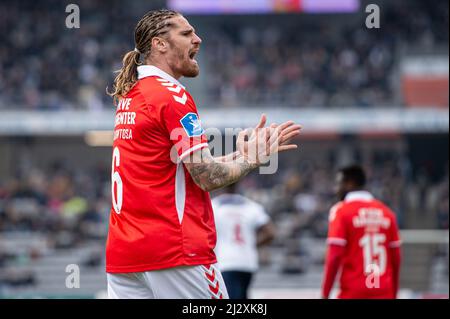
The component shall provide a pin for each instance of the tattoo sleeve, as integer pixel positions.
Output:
(227, 158)
(210, 173)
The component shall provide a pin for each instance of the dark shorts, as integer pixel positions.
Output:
(237, 283)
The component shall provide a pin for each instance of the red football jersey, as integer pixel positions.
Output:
(368, 230)
(159, 218)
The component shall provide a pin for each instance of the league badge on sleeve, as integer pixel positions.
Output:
(192, 125)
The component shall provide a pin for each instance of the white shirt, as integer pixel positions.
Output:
(237, 221)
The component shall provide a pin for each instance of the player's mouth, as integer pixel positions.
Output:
(192, 55)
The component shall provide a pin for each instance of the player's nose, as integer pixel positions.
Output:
(197, 39)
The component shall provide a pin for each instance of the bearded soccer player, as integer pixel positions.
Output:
(363, 242)
(162, 234)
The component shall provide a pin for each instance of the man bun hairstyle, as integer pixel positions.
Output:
(152, 24)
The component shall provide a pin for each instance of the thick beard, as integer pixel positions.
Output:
(187, 68)
(191, 71)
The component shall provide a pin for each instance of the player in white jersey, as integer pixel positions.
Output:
(242, 226)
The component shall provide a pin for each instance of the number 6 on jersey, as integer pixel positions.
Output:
(116, 180)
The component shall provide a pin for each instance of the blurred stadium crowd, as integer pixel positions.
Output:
(65, 207)
(70, 207)
(293, 62)
(315, 64)
(304, 64)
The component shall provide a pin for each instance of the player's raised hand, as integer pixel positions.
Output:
(252, 145)
(288, 130)
(262, 122)
(247, 134)
(258, 144)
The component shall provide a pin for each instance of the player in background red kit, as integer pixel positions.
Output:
(162, 234)
(363, 241)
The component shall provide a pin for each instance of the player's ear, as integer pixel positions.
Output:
(159, 44)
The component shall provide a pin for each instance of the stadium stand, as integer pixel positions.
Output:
(293, 61)
(55, 197)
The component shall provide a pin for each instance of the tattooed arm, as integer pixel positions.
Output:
(254, 148)
(227, 158)
(210, 173)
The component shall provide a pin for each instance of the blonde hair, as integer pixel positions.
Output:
(152, 24)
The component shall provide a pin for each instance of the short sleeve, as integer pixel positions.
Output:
(336, 228)
(260, 216)
(183, 123)
(215, 205)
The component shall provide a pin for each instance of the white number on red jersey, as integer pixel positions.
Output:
(374, 252)
(116, 182)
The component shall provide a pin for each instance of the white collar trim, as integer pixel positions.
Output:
(151, 70)
(364, 196)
